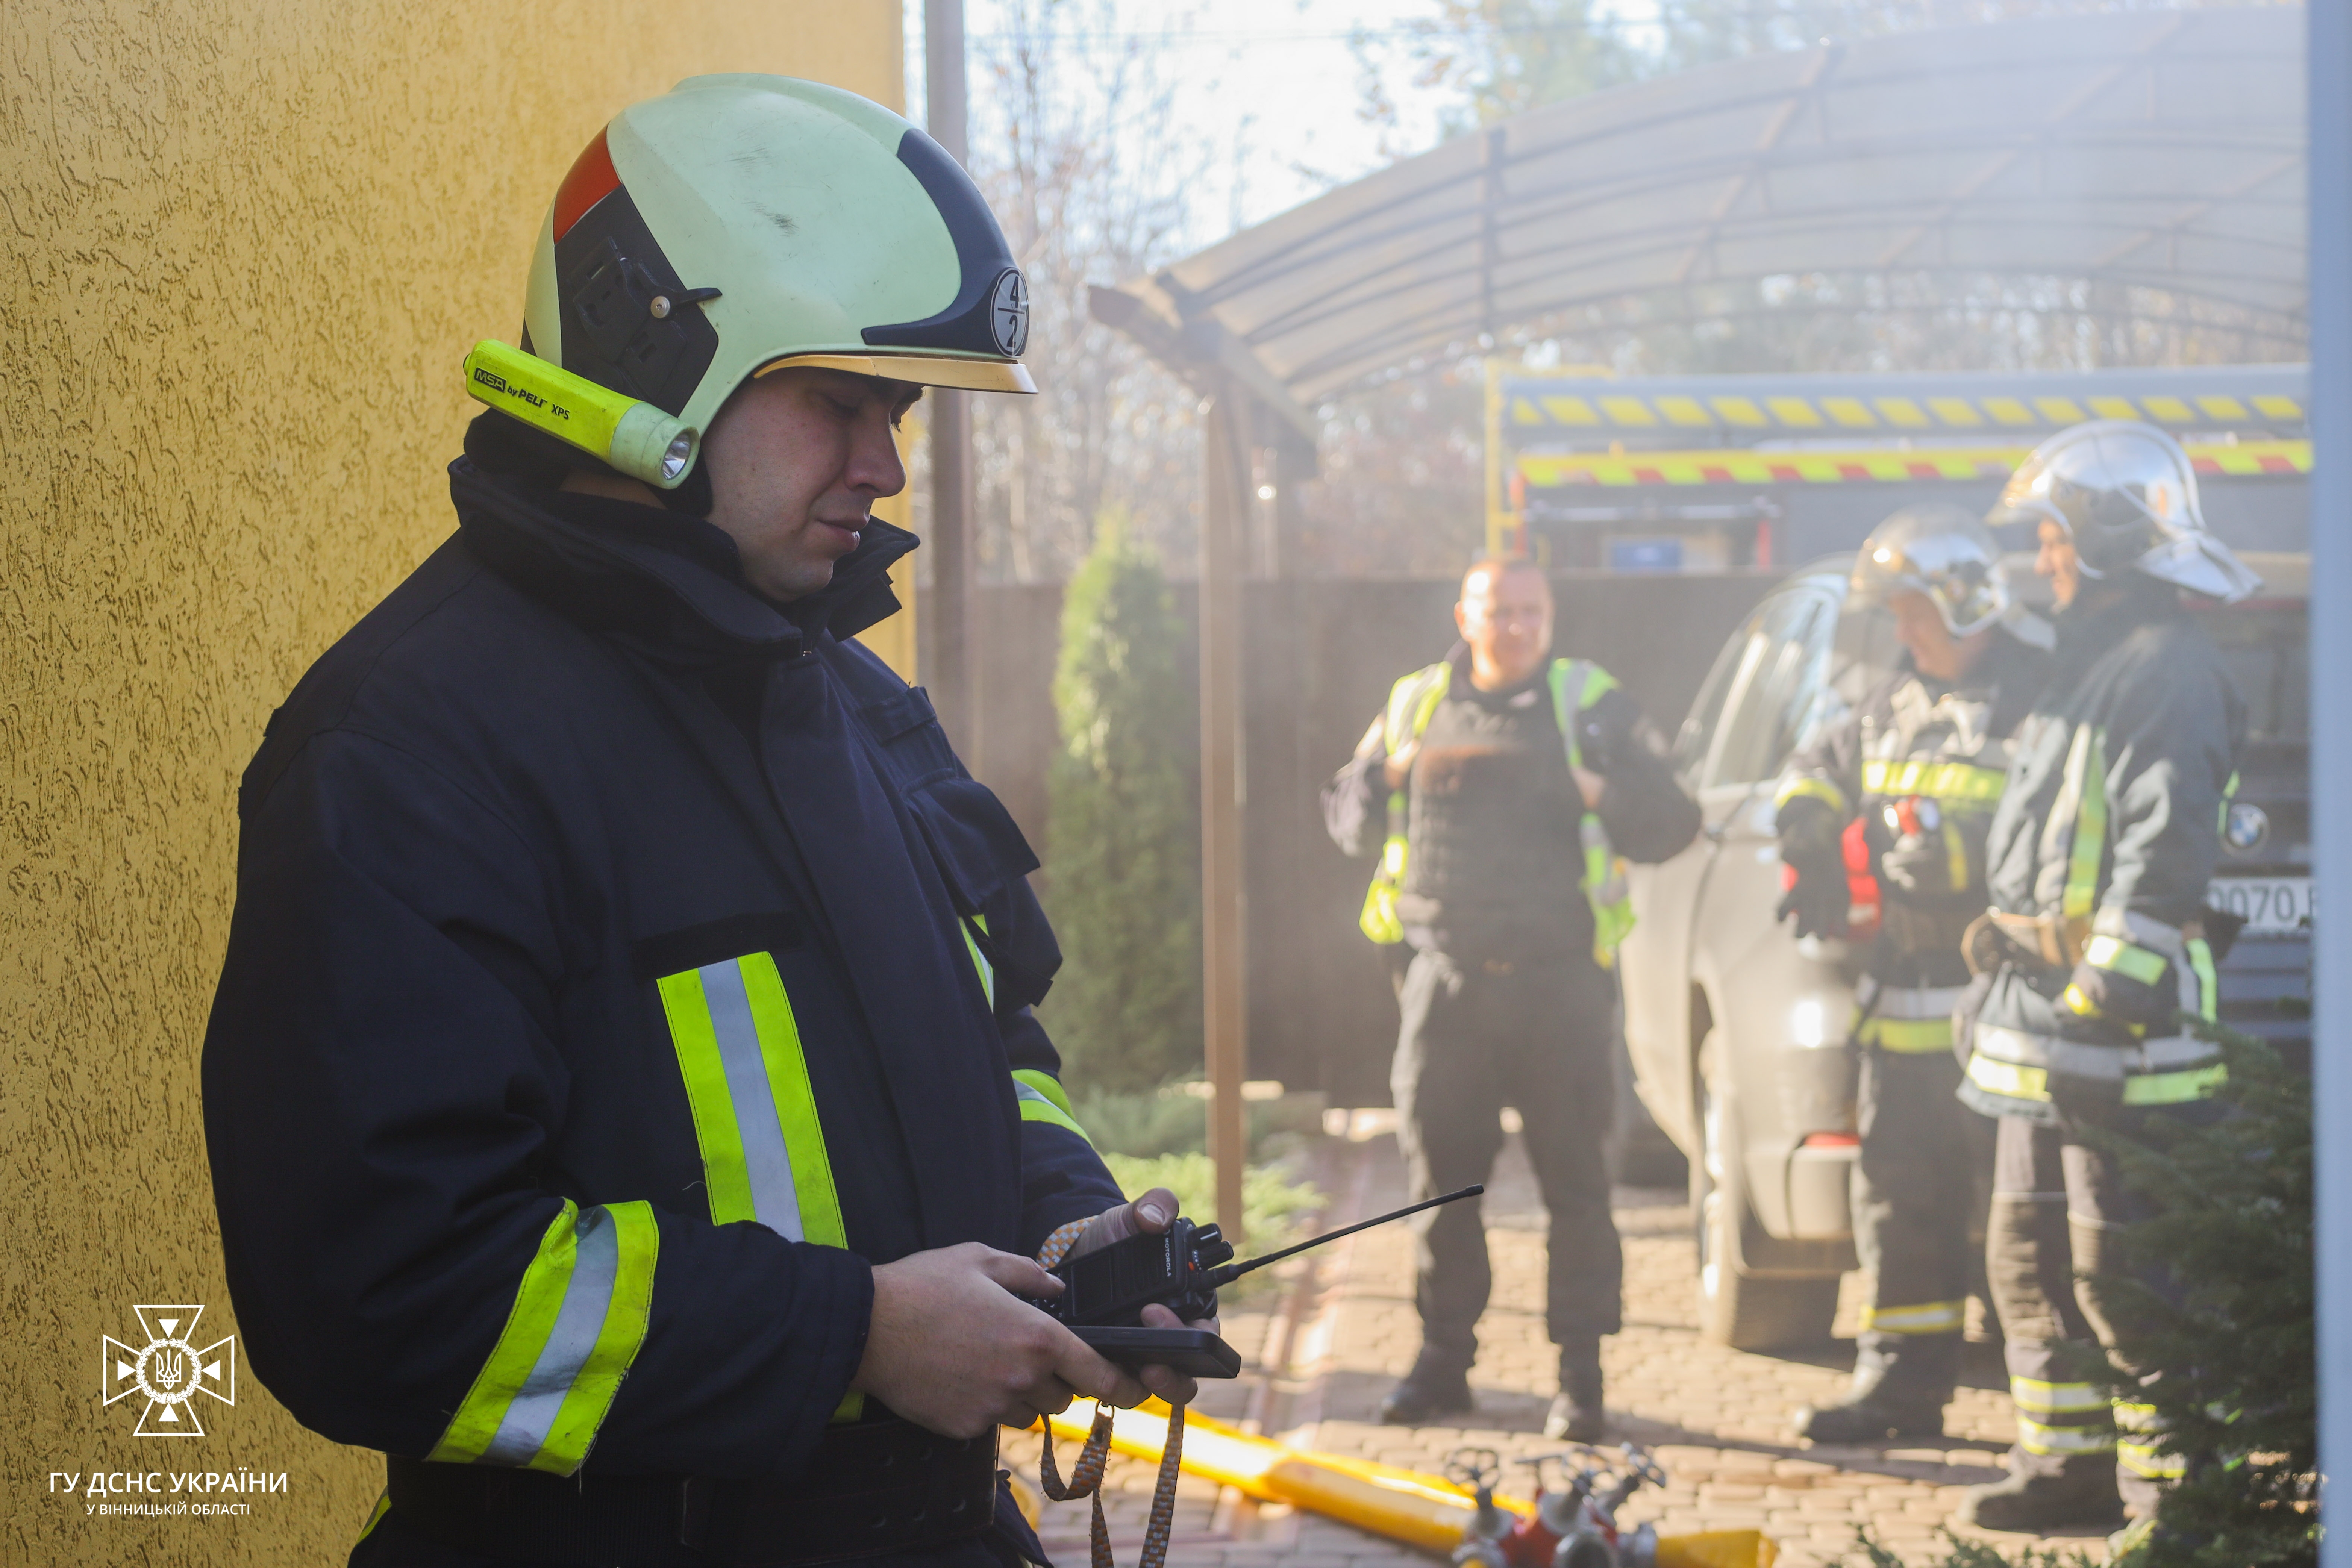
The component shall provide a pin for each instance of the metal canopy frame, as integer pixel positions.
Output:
(2159, 149)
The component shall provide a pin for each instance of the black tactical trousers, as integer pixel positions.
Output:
(1919, 1193)
(2057, 1203)
(1532, 1034)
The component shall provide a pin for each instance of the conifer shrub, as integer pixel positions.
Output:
(1123, 872)
(2233, 1339)
(2230, 1333)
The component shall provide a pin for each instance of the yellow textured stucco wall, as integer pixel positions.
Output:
(247, 242)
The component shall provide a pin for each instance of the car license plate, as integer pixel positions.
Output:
(2268, 905)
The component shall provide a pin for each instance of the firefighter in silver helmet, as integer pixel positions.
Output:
(2094, 958)
(1907, 782)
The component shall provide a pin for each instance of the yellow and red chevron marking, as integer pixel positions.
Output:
(1882, 465)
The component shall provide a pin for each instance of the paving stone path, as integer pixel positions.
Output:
(1325, 1340)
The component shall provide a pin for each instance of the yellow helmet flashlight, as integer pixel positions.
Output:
(634, 437)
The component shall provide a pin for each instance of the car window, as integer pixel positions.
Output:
(1696, 736)
(1780, 680)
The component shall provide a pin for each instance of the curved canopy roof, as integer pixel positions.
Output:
(2158, 148)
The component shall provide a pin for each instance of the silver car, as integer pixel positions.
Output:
(1738, 1032)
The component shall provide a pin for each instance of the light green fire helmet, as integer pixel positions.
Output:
(740, 224)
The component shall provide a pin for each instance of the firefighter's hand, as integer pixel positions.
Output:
(1399, 767)
(1591, 786)
(1817, 904)
(1153, 1213)
(1817, 900)
(953, 1345)
(2093, 994)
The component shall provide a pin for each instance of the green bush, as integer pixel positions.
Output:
(1123, 872)
(1171, 1120)
(2234, 1343)
(2233, 1339)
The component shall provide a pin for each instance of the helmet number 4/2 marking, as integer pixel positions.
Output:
(1008, 314)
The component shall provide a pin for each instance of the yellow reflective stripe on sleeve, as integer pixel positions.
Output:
(986, 970)
(2016, 1081)
(2078, 1002)
(2208, 985)
(2057, 1398)
(1908, 1037)
(2086, 780)
(1043, 1099)
(1925, 1317)
(2125, 959)
(755, 1118)
(376, 1517)
(578, 1320)
(2036, 1438)
(739, 1047)
(1958, 781)
(1956, 857)
(1818, 789)
(2174, 1088)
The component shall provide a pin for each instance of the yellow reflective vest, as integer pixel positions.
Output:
(1575, 684)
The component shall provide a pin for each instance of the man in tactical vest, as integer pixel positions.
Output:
(1910, 778)
(1513, 787)
(2096, 954)
(625, 1105)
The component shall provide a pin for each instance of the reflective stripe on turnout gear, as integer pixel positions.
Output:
(755, 1117)
(2062, 1418)
(1040, 1095)
(2169, 1071)
(2036, 1438)
(578, 1320)
(1956, 781)
(2031, 1393)
(1906, 1037)
(1925, 1318)
(2139, 1434)
(1805, 787)
(2120, 957)
(1043, 1099)
(1906, 1020)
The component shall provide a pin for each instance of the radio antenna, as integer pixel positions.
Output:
(1227, 1273)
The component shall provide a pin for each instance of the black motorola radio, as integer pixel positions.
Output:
(1105, 1292)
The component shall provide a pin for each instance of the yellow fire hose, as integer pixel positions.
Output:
(1420, 1509)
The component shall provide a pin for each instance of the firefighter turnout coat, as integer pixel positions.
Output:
(621, 964)
(1916, 772)
(2097, 864)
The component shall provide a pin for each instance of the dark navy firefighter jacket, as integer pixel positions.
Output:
(621, 964)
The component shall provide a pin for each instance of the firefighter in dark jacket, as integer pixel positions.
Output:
(625, 1105)
(2094, 957)
(1504, 790)
(1913, 775)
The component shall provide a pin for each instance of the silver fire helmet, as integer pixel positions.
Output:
(2127, 494)
(1940, 551)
